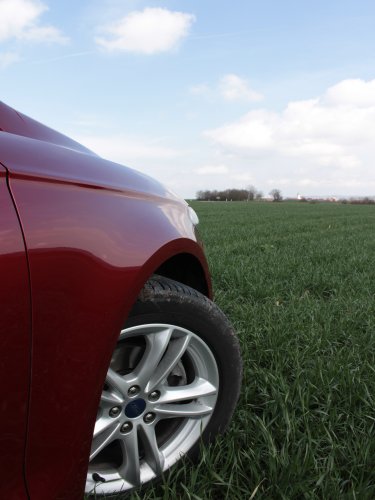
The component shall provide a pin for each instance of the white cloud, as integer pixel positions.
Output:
(331, 131)
(20, 20)
(234, 88)
(150, 31)
(352, 92)
(212, 170)
(8, 58)
(252, 132)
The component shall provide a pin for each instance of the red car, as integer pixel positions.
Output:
(114, 361)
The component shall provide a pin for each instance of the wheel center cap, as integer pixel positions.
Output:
(135, 408)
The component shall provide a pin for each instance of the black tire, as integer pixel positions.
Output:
(183, 317)
(167, 301)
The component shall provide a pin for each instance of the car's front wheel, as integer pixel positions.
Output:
(174, 377)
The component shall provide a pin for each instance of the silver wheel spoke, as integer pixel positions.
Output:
(173, 355)
(130, 468)
(116, 381)
(109, 399)
(154, 457)
(156, 345)
(199, 388)
(103, 435)
(189, 410)
(103, 424)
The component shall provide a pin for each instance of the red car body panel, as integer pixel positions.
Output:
(95, 231)
(14, 122)
(15, 339)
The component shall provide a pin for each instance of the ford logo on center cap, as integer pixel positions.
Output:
(135, 408)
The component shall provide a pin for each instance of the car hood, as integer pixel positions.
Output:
(17, 123)
(31, 149)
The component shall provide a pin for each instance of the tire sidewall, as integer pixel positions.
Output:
(203, 318)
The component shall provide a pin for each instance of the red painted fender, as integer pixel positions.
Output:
(95, 231)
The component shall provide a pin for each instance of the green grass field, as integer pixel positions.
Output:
(298, 283)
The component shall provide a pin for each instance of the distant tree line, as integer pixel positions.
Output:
(251, 194)
(227, 194)
(248, 194)
(366, 200)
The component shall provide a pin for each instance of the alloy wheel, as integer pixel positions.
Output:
(160, 392)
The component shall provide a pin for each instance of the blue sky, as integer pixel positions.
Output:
(204, 94)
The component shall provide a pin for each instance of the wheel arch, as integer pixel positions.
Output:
(186, 269)
(182, 260)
